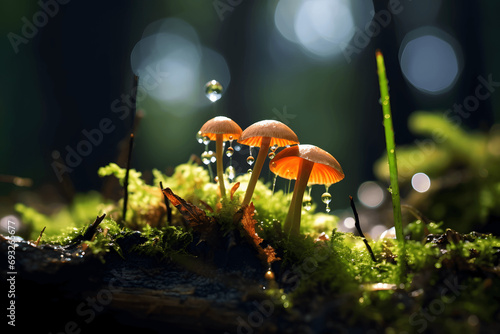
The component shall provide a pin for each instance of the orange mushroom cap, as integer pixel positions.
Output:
(280, 134)
(221, 125)
(326, 169)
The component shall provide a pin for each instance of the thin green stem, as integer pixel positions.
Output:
(391, 150)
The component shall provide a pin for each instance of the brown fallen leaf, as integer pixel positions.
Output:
(193, 215)
(268, 254)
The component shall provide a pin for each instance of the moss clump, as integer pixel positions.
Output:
(163, 243)
(78, 214)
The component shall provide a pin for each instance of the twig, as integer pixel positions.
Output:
(91, 230)
(358, 227)
(40, 237)
(167, 204)
(125, 183)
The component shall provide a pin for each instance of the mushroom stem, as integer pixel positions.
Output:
(292, 221)
(261, 157)
(219, 152)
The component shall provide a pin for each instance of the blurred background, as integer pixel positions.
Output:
(66, 92)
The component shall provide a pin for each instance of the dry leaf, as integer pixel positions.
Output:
(267, 254)
(194, 216)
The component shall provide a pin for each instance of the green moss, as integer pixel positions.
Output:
(340, 268)
(164, 243)
(79, 213)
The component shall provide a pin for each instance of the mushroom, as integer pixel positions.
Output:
(220, 129)
(264, 134)
(307, 164)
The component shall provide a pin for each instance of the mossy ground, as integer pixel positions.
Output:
(446, 275)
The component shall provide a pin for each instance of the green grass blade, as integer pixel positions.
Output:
(391, 149)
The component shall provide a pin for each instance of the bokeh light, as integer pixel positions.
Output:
(370, 194)
(173, 67)
(430, 60)
(319, 26)
(349, 222)
(421, 182)
(376, 231)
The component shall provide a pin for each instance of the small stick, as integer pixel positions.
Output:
(91, 230)
(125, 183)
(167, 204)
(40, 237)
(358, 227)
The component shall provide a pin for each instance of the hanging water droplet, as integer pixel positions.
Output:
(212, 156)
(205, 157)
(230, 152)
(213, 90)
(206, 140)
(271, 155)
(249, 171)
(274, 147)
(250, 160)
(230, 173)
(216, 179)
(199, 137)
(326, 198)
(390, 189)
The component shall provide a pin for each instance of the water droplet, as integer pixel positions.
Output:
(230, 152)
(249, 171)
(212, 156)
(230, 173)
(387, 116)
(271, 155)
(216, 179)
(326, 198)
(269, 275)
(390, 189)
(392, 150)
(274, 147)
(205, 157)
(199, 137)
(213, 90)
(250, 160)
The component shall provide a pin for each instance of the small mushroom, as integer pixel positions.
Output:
(264, 134)
(220, 129)
(307, 164)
